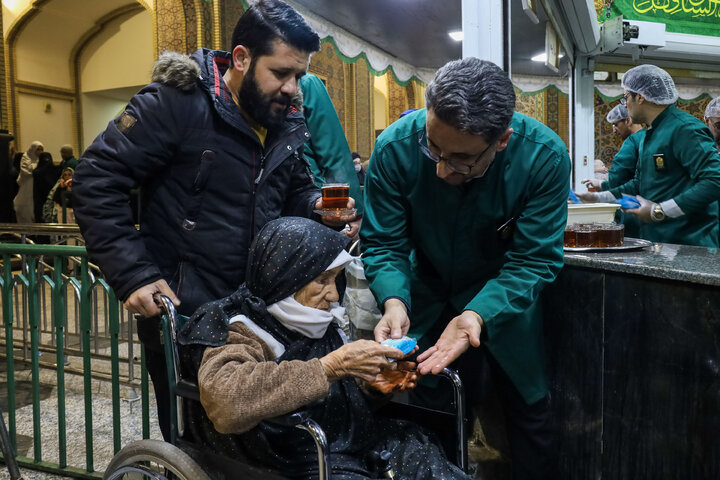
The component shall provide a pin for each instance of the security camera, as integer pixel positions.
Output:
(648, 34)
(630, 31)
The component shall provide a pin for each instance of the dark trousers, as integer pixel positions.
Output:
(148, 330)
(532, 434)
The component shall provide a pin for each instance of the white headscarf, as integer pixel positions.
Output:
(32, 151)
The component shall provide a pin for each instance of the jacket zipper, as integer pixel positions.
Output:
(272, 149)
(254, 190)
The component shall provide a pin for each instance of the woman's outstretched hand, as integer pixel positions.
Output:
(363, 359)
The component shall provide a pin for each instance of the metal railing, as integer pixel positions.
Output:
(54, 302)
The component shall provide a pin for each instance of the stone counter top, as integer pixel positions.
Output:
(663, 260)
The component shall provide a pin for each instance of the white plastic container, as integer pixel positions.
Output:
(591, 212)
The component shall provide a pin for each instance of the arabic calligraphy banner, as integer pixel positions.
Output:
(700, 17)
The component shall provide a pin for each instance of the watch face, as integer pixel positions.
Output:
(657, 213)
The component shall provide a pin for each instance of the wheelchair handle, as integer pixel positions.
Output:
(168, 308)
(459, 394)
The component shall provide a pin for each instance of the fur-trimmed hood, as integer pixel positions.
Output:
(182, 72)
(177, 70)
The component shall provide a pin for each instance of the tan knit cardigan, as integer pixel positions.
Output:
(240, 383)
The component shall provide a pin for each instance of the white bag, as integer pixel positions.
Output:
(359, 302)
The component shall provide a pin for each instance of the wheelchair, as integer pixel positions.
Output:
(181, 459)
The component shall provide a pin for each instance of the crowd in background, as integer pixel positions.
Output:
(38, 187)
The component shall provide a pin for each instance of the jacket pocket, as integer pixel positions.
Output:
(198, 189)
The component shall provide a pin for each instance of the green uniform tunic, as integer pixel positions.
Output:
(327, 150)
(622, 171)
(688, 172)
(432, 244)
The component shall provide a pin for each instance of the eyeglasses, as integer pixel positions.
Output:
(456, 165)
(624, 99)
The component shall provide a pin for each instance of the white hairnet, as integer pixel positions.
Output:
(713, 108)
(652, 82)
(616, 114)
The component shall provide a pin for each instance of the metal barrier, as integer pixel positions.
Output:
(54, 303)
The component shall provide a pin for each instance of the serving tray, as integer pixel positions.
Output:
(628, 244)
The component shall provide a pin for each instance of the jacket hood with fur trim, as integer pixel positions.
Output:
(183, 72)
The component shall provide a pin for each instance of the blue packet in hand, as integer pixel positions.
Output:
(628, 201)
(573, 197)
(404, 344)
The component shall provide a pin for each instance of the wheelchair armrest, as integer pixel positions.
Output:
(303, 421)
(187, 389)
(290, 419)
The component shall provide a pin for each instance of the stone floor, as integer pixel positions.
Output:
(484, 460)
(102, 428)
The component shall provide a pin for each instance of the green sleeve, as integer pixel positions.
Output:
(624, 163)
(631, 187)
(536, 254)
(327, 150)
(694, 148)
(385, 233)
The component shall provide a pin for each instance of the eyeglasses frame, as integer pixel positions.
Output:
(437, 158)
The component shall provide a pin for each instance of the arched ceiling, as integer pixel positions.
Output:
(47, 31)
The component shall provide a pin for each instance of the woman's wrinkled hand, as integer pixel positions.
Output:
(363, 359)
(395, 380)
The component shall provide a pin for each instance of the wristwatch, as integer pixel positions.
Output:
(656, 213)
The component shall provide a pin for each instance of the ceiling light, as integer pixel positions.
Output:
(541, 57)
(457, 35)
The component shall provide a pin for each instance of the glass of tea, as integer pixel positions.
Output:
(569, 239)
(335, 196)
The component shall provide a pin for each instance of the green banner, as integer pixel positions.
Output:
(699, 17)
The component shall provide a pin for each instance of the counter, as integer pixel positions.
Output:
(633, 349)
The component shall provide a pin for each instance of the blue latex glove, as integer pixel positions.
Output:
(628, 202)
(404, 344)
(573, 197)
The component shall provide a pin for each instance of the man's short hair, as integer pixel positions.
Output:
(355, 155)
(474, 96)
(270, 20)
(67, 148)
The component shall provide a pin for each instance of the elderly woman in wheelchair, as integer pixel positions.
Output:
(274, 347)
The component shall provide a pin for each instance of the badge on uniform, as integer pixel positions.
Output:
(659, 159)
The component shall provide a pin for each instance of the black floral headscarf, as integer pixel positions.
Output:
(287, 254)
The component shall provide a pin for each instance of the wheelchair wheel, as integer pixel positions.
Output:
(153, 459)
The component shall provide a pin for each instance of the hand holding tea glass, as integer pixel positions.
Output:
(336, 206)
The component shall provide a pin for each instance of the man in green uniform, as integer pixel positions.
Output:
(677, 180)
(327, 150)
(624, 163)
(712, 119)
(68, 158)
(464, 215)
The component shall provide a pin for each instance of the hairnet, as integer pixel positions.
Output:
(652, 82)
(713, 108)
(616, 114)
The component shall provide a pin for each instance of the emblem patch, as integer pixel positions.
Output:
(659, 159)
(125, 122)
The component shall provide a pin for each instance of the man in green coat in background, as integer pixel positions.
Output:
(677, 181)
(712, 120)
(327, 150)
(465, 209)
(624, 162)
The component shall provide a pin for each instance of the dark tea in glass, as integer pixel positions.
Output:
(586, 235)
(569, 237)
(335, 196)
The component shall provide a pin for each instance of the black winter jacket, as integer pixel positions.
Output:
(208, 186)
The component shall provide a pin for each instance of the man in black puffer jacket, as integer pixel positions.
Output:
(216, 161)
